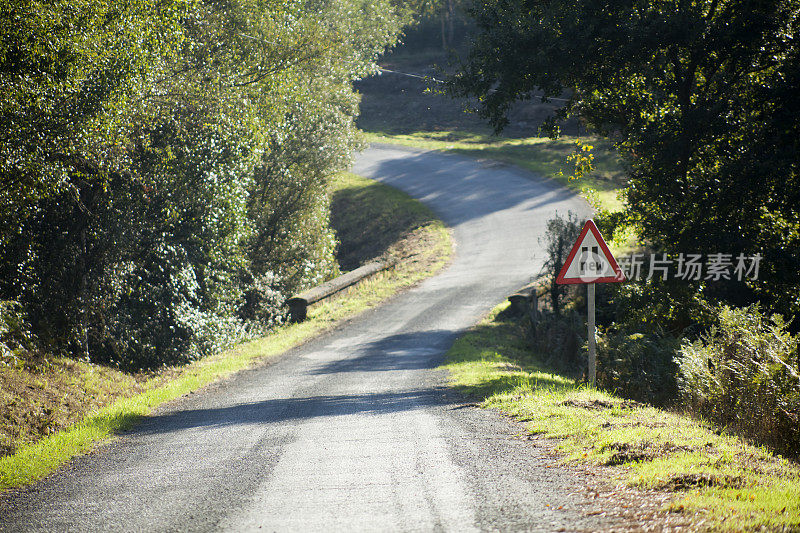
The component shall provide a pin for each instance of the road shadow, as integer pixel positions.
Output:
(282, 410)
(405, 351)
(474, 192)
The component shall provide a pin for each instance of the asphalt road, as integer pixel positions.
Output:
(355, 430)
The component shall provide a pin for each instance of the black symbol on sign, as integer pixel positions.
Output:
(590, 263)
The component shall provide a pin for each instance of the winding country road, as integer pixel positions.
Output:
(355, 430)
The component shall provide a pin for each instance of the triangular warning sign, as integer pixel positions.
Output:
(590, 260)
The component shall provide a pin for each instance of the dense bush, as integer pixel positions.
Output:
(560, 340)
(638, 366)
(675, 307)
(15, 339)
(559, 237)
(745, 376)
(164, 165)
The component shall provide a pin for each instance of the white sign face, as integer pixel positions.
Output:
(590, 260)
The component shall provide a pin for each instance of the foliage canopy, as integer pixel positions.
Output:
(701, 99)
(164, 169)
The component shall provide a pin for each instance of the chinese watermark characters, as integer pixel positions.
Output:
(691, 267)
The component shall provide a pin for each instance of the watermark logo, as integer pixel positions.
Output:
(691, 267)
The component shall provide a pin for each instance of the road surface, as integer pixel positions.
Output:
(355, 430)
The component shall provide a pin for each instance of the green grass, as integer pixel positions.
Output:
(715, 478)
(42, 397)
(543, 156)
(373, 220)
(422, 248)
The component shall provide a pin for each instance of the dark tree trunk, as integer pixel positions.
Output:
(450, 18)
(554, 287)
(444, 34)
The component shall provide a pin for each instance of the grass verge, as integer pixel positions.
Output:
(420, 242)
(720, 481)
(373, 220)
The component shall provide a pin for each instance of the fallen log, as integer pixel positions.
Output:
(298, 305)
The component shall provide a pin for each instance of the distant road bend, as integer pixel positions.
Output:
(355, 430)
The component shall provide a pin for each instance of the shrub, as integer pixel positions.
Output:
(156, 313)
(562, 339)
(163, 193)
(559, 237)
(743, 376)
(639, 366)
(263, 301)
(672, 306)
(15, 338)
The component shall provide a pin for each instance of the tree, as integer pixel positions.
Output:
(560, 235)
(165, 164)
(444, 17)
(701, 99)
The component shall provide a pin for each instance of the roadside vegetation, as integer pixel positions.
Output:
(715, 479)
(688, 124)
(741, 374)
(54, 408)
(701, 104)
(164, 167)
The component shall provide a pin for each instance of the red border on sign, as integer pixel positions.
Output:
(589, 226)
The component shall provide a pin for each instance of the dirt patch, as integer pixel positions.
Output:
(640, 423)
(629, 508)
(635, 453)
(413, 250)
(691, 481)
(507, 366)
(601, 404)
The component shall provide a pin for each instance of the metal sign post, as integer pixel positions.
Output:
(590, 262)
(591, 333)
